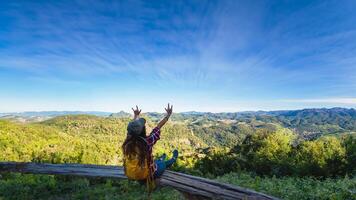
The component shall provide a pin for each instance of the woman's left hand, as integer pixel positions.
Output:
(136, 112)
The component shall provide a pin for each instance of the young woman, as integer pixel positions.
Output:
(137, 149)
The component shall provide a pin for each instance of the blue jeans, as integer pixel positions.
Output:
(163, 165)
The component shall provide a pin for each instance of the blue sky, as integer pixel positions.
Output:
(198, 55)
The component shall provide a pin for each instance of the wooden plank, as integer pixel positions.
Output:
(220, 185)
(190, 185)
(214, 190)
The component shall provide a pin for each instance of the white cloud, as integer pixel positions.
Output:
(226, 50)
(351, 101)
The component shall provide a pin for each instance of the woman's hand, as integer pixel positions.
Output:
(136, 112)
(169, 110)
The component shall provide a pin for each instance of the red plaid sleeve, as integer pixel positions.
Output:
(153, 137)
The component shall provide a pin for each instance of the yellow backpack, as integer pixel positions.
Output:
(133, 169)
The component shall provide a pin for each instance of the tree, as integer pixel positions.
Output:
(322, 157)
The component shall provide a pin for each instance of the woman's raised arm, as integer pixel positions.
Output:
(169, 111)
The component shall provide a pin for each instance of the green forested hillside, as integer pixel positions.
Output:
(250, 151)
(309, 123)
(85, 139)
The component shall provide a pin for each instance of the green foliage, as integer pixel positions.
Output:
(322, 157)
(217, 163)
(273, 155)
(42, 143)
(295, 188)
(349, 142)
(209, 145)
(221, 133)
(280, 153)
(16, 186)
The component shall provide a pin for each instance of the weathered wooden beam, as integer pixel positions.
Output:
(191, 186)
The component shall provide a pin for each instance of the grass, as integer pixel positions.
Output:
(295, 188)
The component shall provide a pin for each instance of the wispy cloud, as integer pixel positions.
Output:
(351, 101)
(225, 49)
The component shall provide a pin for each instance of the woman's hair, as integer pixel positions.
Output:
(135, 145)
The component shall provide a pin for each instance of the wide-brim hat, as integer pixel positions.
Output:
(135, 127)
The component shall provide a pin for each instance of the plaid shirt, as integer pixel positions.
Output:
(151, 140)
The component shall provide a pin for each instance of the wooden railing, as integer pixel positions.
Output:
(191, 186)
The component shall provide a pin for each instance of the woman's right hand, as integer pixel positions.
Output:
(169, 111)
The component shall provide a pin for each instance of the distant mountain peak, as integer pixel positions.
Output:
(121, 114)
